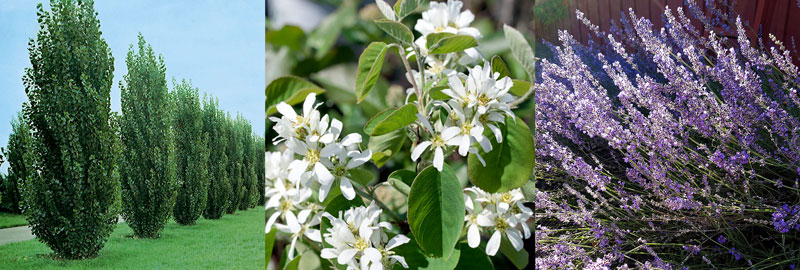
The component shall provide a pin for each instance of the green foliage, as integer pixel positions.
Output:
(404, 7)
(234, 152)
(69, 200)
(369, 67)
(402, 180)
(510, 163)
(521, 50)
(260, 156)
(417, 260)
(473, 258)
(436, 210)
(325, 35)
(391, 119)
(519, 258)
(499, 66)
(247, 172)
(20, 157)
(191, 148)
(214, 124)
(396, 30)
(290, 89)
(148, 172)
(442, 43)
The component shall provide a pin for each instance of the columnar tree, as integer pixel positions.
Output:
(248, 198)
(20, 159)
(148, 174)
(192, 154)
(219, 187)
(260, 148)
(69, 197)
(234, 152)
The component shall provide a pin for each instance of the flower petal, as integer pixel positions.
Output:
(346, 255)
(347, 188)
(494, 244)
(473, 236)
(419, 149)
(396, 241)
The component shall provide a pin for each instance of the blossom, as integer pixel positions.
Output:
(293, 126)
(466, 132)
(436, 142)
(357, 239)
(285, 196)
(501, 213)
(447, 18)
(304, 225)
(342, 162)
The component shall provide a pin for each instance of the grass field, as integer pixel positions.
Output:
(233, 242)
(8, 220)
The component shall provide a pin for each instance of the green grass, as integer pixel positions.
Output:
(8, 220)
(232, 242)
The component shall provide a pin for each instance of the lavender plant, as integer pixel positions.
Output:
(460, 107)
(668, 149)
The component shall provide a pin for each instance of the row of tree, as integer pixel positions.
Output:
(75, 165)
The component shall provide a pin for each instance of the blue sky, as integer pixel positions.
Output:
(218, 45)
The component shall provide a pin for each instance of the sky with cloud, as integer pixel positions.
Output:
(218, 45)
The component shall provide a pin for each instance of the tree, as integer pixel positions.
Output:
(20, 161)
(234, 152)
(192, 154)
(69, 199)
(259, 152)
(249, 193)
(219, 187)
(148, 174)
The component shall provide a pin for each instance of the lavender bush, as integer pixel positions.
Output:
(667, 148)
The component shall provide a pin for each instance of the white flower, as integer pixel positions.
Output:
(357, 238)
(311, 165)
(500, 213)
(466, 132)
(436, 143)
(304, 225)
(447, 18)
(473, 232)
(342, 162)
(291, 125)
(285, 197)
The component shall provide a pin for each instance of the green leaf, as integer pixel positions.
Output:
(292, 265)
(401, 180)
(385, 146)
(417, 260)
(290, 89)
(473, 258)
(324, 36)
(269, 239)
(498, 65)
(510, 163)
(369, 67)
(432, 38)
(396, 120)
(529, 190)
(518, 258)
(436, 210)
(405, 7)
(362, 176)
(396, 30)
(521, 50)
(377, 118)
(290, 36)
(450, 44)
(436, 92)
(520, 87)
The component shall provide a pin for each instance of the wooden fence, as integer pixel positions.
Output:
(779, 17)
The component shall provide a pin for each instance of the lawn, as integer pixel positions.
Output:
(8, 220)
(233, 242)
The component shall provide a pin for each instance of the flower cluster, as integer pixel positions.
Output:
(786, 218)
(315, 157)
(359, 241)
(483, 102)
(325, 156)
(503, 214)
